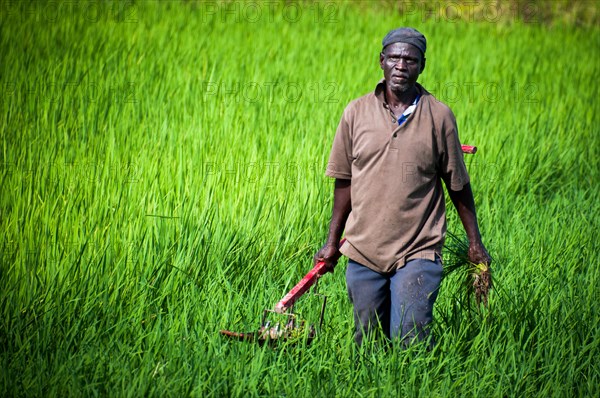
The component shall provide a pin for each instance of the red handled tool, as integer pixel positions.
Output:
(293, 329)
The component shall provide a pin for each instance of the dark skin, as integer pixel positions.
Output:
(402, 64)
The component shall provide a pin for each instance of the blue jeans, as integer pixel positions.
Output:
(400, 302)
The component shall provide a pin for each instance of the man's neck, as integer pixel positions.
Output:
(401, 99)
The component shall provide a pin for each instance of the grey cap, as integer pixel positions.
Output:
(406, 35)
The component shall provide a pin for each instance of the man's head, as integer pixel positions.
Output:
(402, 58)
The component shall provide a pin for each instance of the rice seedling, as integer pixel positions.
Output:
(478, 277)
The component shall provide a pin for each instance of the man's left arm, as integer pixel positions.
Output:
(465, 206)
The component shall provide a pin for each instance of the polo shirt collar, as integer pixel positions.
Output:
(380, 95)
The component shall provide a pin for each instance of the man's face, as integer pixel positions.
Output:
(402, 63)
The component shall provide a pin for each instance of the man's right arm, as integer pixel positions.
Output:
(342, 206)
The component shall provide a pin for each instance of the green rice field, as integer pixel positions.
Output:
(162, 176)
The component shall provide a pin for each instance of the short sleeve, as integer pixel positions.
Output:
(452, 164)
(340, 157)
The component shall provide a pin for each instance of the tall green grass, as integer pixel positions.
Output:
(162, 178)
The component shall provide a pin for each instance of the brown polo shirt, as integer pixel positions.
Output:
(398, 207)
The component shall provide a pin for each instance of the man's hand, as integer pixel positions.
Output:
(330, 254)
(478, 254)
(480, 272)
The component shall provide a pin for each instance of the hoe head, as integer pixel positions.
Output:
(293, 330)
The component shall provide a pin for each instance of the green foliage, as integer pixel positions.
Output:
(162, 179)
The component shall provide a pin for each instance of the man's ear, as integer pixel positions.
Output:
(381, 57)
(422, 65)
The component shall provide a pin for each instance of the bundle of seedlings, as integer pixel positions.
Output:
(478, 276)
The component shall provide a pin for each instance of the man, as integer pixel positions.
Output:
(391, 150)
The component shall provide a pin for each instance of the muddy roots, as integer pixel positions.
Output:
(481, 276)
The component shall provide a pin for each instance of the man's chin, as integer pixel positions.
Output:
(399, 87)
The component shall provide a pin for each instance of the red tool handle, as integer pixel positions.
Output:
(469, 149)
(301, 287)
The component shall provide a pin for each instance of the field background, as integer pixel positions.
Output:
(162, 179)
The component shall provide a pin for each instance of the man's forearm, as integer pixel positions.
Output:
(465, 206)
(342, 206)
